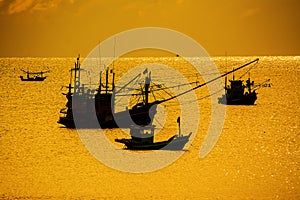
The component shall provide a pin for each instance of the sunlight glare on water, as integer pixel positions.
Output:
(256, 157)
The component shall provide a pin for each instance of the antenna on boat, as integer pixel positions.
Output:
(100, 63)
(248, 82)
(179, 131)
(113, 66)
(77, 75)
(100, 84)
(147, 85)
(113, 81)
(106, 81)
(225, 69)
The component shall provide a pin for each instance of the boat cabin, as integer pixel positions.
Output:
(142, 134)
(236, 88)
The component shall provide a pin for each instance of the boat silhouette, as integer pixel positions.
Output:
(238, 93)
(34, 76)
(140, 113)
(142, 138)
(101, 102)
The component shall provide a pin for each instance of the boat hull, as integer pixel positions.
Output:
(33, 79)
(174, 143)
(243, 100)
(83, 121)
(68, 123)
(87, 118)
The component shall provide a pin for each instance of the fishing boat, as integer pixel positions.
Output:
(142, 138)
(34, 76)
(238, 93)
(102, 101)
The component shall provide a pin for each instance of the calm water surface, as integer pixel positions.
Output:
(256, 157)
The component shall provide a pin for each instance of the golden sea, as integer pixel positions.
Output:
(256, 157)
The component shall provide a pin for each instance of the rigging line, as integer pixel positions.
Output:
(161, 95)
(210, 94)
(138, 97)
(162, 89)
(137, 76)
(192, 101)
(185, 76)
(248, 70)
(212, 80)
(160, 86)
(153, 95)
(261, 85)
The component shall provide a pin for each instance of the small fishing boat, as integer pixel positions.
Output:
(142, 138)
(238, 93)
(34, 76)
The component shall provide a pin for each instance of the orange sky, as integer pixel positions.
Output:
(67, 27)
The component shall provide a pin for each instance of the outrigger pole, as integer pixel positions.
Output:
(212, 80)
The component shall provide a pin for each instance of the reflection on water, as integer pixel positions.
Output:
(257, 155)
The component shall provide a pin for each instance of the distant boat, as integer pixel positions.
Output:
(34, 76)
(238, 93)
(142, 138)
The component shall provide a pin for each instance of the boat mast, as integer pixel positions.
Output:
(106, 79)
(147, 84)
(179, 131)
(100, 78)
(28, 73)
(113, 81)
(225, 71)
(113, 65)
(77, 76)
(100, 84)
(70, 82)
(110, 71)
(113, 94)
(249, 84)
